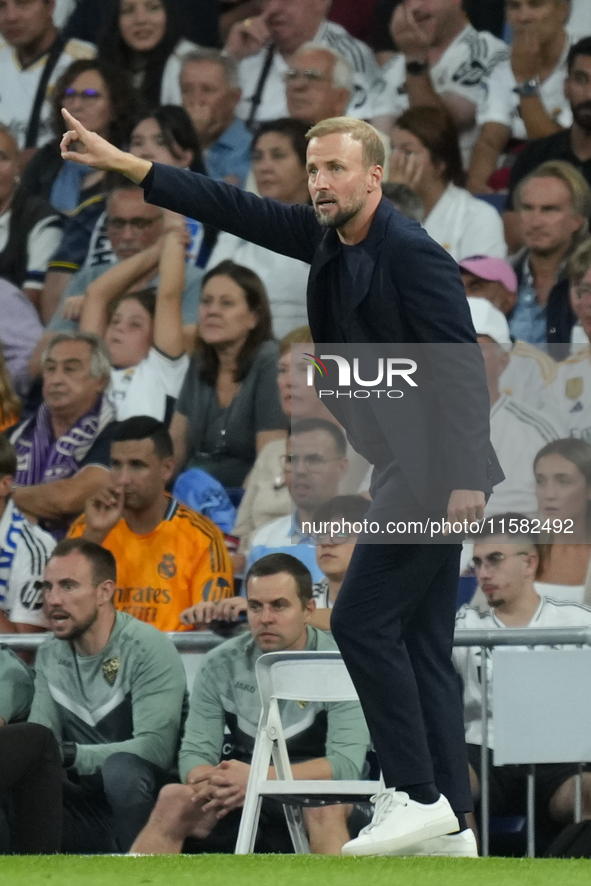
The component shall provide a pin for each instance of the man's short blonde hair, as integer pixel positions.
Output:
(374, 153)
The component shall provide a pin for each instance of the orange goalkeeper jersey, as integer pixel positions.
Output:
(182, 562)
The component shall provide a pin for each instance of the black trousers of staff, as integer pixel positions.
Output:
(394, 623)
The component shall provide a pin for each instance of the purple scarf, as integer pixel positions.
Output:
(42, 458)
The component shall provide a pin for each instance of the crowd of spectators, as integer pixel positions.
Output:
(154, 373)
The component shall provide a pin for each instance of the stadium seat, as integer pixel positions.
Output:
(295, 676)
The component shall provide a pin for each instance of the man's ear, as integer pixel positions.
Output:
(105, 592)
(309, 609)
(6, 482)
(168, 467)
(375, 178)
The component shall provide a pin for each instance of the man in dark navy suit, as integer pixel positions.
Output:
(377, 277)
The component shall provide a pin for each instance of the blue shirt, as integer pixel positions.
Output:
(230, 154)
(284, 536)
(528, 322)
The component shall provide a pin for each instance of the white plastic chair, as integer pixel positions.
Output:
(296, 676)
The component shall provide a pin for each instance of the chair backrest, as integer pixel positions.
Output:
(542, 705)
(304, 676)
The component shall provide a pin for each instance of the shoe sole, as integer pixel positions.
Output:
(402, 845)
(420, 853)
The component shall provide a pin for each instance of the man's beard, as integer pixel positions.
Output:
(341, 218)
(78, 630)
(582, 119)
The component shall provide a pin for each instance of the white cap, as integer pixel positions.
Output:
(489, 321)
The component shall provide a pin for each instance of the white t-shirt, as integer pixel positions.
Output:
(24, 551)
(500, 104)
(273, 101)
(18, 87)
(170, 90)
(43, 240)
(150, 388)
(567, 401)
(517, 433)
(467, 659)
(528, 374)
(465, 225)
(564, 593)
(284, 278)
(468, 58)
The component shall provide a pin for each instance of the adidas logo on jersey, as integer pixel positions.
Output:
(577, 407)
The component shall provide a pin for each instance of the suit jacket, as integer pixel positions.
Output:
(413, 295)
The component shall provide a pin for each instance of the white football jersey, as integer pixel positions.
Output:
(528, 374)
(499, 103)
(517, 433)
(567, 401)
(18, 87)
(24, 551)
(273, 101)
(468, 58)
(468, 659)
(150, 388)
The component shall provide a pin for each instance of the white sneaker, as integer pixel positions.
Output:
(400, 823)
(462, 845)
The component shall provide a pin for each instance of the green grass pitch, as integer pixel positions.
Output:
(289, 870)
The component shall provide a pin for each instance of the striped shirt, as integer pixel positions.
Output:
(24, 551)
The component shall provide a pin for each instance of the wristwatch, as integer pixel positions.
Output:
(416, 68)
(528, 88)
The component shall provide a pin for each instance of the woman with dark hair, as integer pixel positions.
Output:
(100, 94)
(426, 156)
(229, 408)
(144, 37)
(167, 135)
(279, 167)
(562, 471)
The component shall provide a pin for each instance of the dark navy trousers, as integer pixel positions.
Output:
(394, 622)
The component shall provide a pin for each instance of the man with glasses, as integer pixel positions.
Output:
(314, 466)
(131, 226)
(265, 45)
(505, 565)
(318, 84)
(568, 399)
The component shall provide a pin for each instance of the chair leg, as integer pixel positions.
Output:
(259, 770)
(297, 831)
